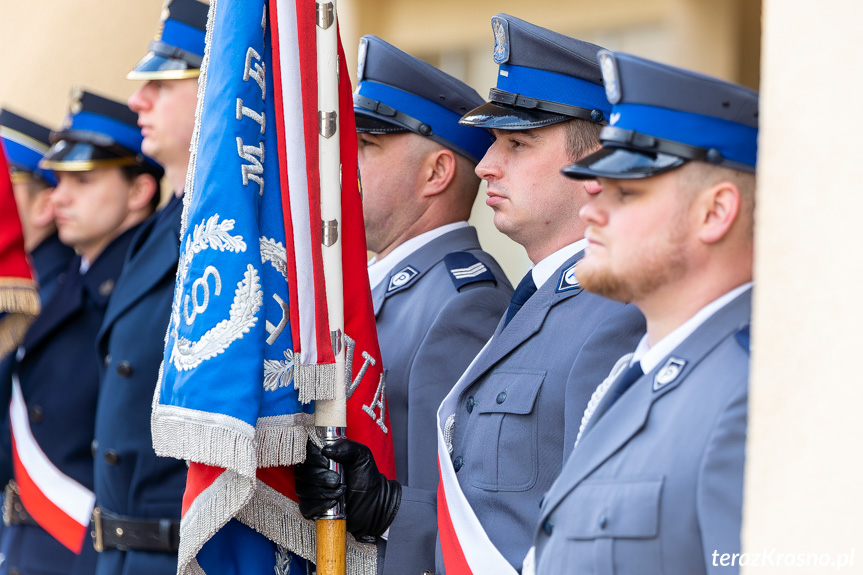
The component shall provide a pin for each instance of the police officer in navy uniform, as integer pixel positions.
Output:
(106, 188)
(655, 483)
(139, 495)
(518, 405)
(26, 142)
(437, 295)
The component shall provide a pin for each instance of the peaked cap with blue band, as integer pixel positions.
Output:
(26, 142)
(397, 92)
(97, 133)
(178, 50)
(544, 78)
(663, 117)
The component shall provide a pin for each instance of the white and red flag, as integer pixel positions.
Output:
(251, 350)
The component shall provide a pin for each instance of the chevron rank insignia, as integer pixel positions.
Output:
(464, 268)
(402, 278)
(567, 280)
(669, 372)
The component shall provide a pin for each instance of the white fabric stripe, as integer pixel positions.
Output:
(476, 266)
(71, 497)
(295, 152)
(481, 555)
(469, 272)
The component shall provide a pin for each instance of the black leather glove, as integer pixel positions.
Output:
(371, 500)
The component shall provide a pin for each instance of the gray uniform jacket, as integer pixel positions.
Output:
(656, 483)
(518, 416)
(431, 324)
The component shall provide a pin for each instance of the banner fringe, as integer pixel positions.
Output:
(13, 328)
(211, 511)
(315, 381)
(278, 518)
(282, 446)
(194, 568)
(18, 296)
(176, 434)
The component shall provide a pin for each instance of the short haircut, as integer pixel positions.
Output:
(135, 170)
(582, 137)
(696, 176)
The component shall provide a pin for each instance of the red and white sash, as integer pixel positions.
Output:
(60, 505)
(466, 548)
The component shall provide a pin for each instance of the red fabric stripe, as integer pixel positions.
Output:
(199, 478)
(51, 518)
(294, 307)
(453, 556)
(307, 33)
(279, 478)
(13, 262)
(359, 309)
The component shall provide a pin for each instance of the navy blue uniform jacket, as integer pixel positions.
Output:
(59, 378)
(130, 479)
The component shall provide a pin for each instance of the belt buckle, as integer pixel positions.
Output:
(98, 543)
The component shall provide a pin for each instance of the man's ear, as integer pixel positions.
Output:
(42, 208)
(592, 187)
(144, 187)
(719, 207)
(440, 170)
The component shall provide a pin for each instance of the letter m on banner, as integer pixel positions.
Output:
(250, 350)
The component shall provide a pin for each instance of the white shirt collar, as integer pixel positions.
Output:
(650, 357)
(548, 265)
(379, 269)
(84, 266)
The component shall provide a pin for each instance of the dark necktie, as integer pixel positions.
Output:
(525, 289)
(624, 382)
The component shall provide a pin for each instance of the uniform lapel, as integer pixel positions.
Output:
(425, 258)
(67, 300)
(157, 254)
(629, 414)
(379, 294)
(525, 323)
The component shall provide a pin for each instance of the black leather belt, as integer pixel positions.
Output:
(14, 512)
(112, 531)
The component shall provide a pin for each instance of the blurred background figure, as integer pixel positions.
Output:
(26, 142)
(106, 188)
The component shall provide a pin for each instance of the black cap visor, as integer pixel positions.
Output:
(503, 117)
(372, 123)
(622, 164)
(154, 66)
(81, 156)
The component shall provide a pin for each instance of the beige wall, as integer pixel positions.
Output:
(46, 46)
(804, 471)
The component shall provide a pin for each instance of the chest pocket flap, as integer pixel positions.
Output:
(621, 509)
(512, 391)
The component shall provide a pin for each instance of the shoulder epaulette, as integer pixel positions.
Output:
(465, 268)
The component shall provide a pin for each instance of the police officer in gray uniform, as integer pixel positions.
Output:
(519, 404)
(655, 483)
(437, 295)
